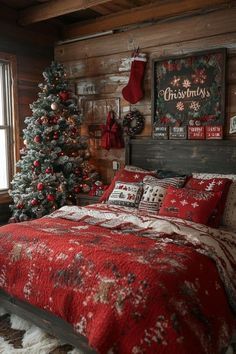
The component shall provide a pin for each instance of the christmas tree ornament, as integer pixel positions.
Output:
(37, 139)
(40, 186)
(133, 91)
(85, 188)
(20, 206)
(55, 135)
(25, 142)
(77, 189)
(133, 122)
(54, 106)
(64, 95)
(34, 202)
(44, 120)
(50, 197)
(49, 170)
(36, 163)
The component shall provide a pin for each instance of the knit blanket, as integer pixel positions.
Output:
(129, 282)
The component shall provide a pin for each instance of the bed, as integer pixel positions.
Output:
(108, 279)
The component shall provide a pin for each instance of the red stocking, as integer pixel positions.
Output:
(133, 92)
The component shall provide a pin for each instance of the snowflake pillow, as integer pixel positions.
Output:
(127, 194)
(189, 204)
(154, 190)
(126, 174)
(212, 185)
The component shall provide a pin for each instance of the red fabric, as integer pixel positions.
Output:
(133, 91)
(189, 204)
(215, 185)
(111, 134)
(125, 176)
(127, 294)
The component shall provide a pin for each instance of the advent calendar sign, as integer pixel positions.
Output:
(189, 89)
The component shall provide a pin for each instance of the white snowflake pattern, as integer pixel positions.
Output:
(186, 83)
(184, 202)
(173, 201)
(180, 106)
(195, 205)
(195, 106)
(175, 82)
(220, 182)
(136, 176)
(201, 182)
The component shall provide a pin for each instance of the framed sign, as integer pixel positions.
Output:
(189, 88)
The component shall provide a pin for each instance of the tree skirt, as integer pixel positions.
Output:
(20, 336)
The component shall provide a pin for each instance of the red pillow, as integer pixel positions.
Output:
(126, 174)
(212, 185)
(189, 204)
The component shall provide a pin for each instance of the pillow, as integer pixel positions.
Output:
(189, 204)
(229, 215)
(126, 174)
(212, 185)
(154, 191)
(213, 175)
(127, 194)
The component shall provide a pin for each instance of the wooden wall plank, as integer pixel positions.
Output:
(150, 12)
(181, 30)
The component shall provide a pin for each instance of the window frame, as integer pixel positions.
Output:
(13, 122)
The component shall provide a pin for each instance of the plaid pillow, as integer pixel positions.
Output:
(154, 191)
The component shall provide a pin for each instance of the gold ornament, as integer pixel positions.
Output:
(25, 142)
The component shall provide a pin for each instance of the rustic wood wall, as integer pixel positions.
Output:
(100, 66)
(33, 48)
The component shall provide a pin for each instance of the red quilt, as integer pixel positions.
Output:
(130, 283)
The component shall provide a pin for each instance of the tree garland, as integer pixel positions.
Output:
(133, 122)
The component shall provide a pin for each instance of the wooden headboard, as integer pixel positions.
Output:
(183, 156)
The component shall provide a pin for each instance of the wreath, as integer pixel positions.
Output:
(133, 122)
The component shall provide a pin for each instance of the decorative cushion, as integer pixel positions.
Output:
(126, 174)
(154, 190)
(229, 215)
(189, 204)
(127, 194)
(212, 185)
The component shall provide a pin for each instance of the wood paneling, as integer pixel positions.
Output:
(150, 12)
(100, 67)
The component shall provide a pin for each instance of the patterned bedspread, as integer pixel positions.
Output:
(130, 282)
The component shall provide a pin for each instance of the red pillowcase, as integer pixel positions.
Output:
(126, 174)
(212, 185)
(189, 204)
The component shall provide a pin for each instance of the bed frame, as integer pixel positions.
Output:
(182, 156)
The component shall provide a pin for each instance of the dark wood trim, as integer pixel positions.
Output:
(183, 156)
(50, 323)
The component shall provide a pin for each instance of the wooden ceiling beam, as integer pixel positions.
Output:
(153, 11)
(55, 8)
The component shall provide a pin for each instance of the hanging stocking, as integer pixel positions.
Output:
(133, 92)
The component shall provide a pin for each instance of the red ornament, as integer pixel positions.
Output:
(55, 136)
(34, 202)
(77, 189)
(64, 95)
(20, 206)
(50, 197)
(40, 186)
(49, 170)
(36, 163)
(37, 139)
(54, 120)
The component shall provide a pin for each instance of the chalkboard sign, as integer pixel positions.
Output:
(189, 88)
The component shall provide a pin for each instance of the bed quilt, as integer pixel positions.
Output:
(131, 283)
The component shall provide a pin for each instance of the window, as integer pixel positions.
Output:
(7, 123)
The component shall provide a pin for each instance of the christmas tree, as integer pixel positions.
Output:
(53, 164)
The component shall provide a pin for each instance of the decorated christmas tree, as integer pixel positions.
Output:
(53, 166)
